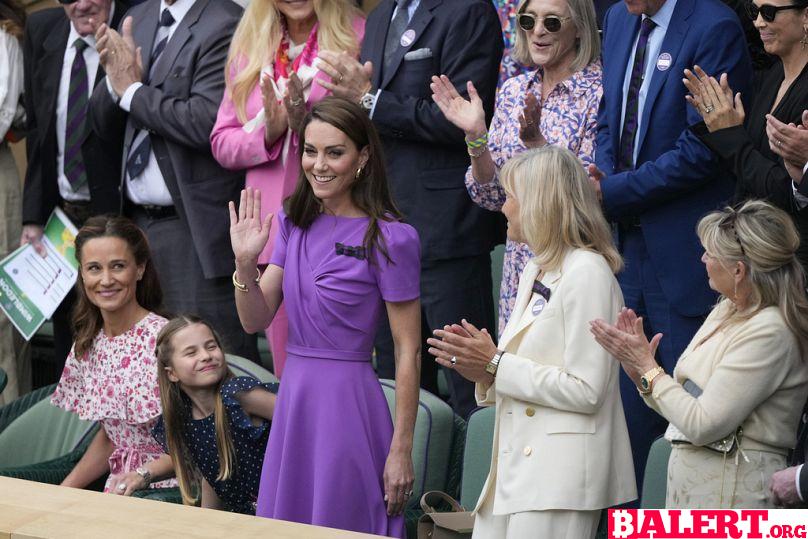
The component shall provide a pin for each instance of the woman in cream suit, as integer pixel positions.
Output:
(561, 449)
(745, 366)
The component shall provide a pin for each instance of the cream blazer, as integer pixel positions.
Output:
(560, 437)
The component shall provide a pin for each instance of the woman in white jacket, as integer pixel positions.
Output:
(561, 448)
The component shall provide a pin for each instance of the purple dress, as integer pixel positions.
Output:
(332, 429)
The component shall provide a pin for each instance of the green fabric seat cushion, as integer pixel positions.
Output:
(42, 433)
(655, 482)
(477, 455)
(244, 367)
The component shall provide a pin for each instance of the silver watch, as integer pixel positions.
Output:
(145, 474)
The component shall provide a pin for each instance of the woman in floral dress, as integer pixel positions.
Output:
(554, 103)
(110, 375)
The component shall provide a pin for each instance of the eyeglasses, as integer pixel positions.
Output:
(552, 23)
(64, 2)
(769, 12)
(728, 221)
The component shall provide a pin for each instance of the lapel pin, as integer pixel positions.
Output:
(664, 61)
(407, 38)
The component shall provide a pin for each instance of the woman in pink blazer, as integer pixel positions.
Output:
(272, 80)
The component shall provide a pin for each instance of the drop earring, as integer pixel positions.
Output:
(804, 40)
(358, 172)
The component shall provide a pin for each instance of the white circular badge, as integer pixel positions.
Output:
(538, 306)
(407, 38)
(664, 61)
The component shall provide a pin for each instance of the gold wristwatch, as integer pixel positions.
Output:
(493, 365)
(647, 380)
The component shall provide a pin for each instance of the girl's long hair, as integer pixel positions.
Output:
(370, 192)
(87, 320)
(258, 36)
(176, 411)
(12, 18)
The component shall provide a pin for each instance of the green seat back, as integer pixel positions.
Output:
(3, 380)
(477, 455)
(432, 441)
(41, 433)
(244, 367)
(497, 257)
(655, 483)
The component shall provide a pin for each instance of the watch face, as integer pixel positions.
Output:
(644, 383)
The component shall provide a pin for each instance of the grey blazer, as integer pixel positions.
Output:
(179, 107)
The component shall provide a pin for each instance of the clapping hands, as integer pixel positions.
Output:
(714, 99)
(626, 341)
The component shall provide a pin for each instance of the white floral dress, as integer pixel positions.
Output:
(116, 384)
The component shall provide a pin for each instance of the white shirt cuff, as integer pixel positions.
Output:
(128, 95)
(797, 481)
(375, 102)
(799, 198)
(805, 168)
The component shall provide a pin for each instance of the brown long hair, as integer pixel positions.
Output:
(87, 320)
(176, 411)
(12, 18)
(370, 192)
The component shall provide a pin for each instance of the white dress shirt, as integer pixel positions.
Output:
(150, 187)
(11, 81)
(91, 59)
(662, 18)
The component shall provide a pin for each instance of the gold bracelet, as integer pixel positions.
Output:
(241, 287)
(477, 152)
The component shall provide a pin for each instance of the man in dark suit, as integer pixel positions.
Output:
(68, 166)
(162, 104)
(656, 178)
(406, 43)
(789, 487)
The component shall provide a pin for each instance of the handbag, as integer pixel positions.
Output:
(725, 446)
(454, 524)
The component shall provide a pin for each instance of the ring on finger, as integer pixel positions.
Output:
(295, 102)
(341, 76)
(408, 493)
(122, 487)
(779, 142)
(709, 108)
(453, 361)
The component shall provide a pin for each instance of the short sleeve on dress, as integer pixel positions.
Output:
(399, 278)
(285, 225)
(238, 417)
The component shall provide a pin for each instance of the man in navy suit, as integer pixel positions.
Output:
(406, 43)
(656, 179)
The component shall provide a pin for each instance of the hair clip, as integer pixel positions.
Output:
(347, 250)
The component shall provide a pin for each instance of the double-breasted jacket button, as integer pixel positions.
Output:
(530, 412)
(527, 450)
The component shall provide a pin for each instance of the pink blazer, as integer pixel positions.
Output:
(235, 149)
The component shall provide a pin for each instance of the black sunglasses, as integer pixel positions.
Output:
(552, 23)
(63, 2)
(769, 12)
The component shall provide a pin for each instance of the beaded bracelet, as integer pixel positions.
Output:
(478, 142)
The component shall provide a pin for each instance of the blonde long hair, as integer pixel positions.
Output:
(558, 207)
(259, 34)
(765, 240)
(176, 411)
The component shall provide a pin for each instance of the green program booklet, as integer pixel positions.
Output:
(32, 286)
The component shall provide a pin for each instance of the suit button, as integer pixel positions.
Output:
(530, 412)
(527, 450)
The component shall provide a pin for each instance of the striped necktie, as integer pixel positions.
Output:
(139, 154)
(76, 125)
(395, 31)
(631, 121)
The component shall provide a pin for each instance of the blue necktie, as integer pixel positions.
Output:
(76, 126)
(139, 156)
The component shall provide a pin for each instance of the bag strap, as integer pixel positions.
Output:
(432, 498)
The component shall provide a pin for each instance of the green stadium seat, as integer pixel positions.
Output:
(244, 367)
(655, 483)
(3, 380)
(477, 455)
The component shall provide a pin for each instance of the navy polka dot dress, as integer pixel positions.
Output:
(240, 492)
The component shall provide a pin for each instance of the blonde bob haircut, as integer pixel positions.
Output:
(765, 240)
(558, 207)
(582, 13)
(259, 34)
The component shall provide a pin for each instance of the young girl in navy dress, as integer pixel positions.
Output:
(214, 425)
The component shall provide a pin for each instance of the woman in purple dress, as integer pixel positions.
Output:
(341, 256)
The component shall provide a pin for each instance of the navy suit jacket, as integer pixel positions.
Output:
(677, 180)
(426, 155)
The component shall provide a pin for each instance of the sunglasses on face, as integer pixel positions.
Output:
(769, 12)
(65, 2)
(552, 23)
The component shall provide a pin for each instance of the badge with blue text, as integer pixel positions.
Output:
(407, 38)
(664, 61)
(544, 297)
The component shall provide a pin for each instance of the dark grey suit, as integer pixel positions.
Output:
(178, 107)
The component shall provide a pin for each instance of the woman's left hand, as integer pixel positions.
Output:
(295, 102)
(714, 100)
(627, 342)
(398, 480)
(471, 348)
(126, 483)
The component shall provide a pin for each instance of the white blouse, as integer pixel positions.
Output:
(11, 81)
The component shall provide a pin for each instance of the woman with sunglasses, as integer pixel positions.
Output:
(740, 139)
(737, 392)
(555, 103)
